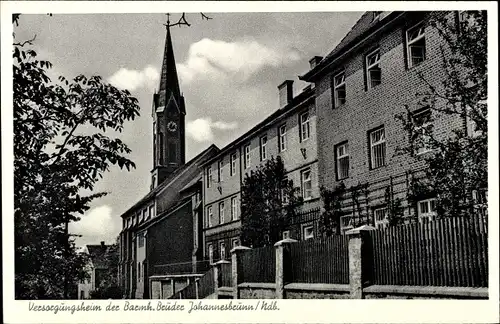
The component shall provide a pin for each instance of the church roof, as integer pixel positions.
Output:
(169, 82)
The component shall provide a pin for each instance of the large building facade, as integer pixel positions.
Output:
(373, 74)
(290, 132)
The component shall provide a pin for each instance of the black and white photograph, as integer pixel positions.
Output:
(186, 155)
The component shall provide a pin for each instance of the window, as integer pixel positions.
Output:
(139, 271)
(210, 216)
(141, 240)
(233, 164)
(373, 71)
(426, 209)
(342, 152)
(376, 15)
(211, 253)
(422, 120)
(480, 201)
(221, 213)
(263, 152)
(285, 235)
(304, 126)
(381, 216)
(235, 242)
(415, 45)
(306, 184)
(346, 222)
(234, 208)
(222, 251)
(377, 148)
(247, 156)
(339, 89)
(145, 214)
(151, 211)
(282, 138)
(209, 177)
(219, 172)
(307, 232)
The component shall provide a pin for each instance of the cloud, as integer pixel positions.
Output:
(215, 59)
(201, 129)
(96, 225)
(134, 79)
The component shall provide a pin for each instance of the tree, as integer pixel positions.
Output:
(457, 165)
(332, 209)
(61, 148)
(268, 199)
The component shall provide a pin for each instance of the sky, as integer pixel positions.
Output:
(229, 68)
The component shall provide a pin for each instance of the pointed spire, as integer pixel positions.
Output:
(169, 79)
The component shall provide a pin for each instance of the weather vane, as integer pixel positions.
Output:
(182, 20)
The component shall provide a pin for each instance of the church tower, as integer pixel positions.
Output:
(169, 147)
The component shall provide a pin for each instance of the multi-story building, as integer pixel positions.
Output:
(162, 228)
(373, 74)
(290, 132)
(97, 268)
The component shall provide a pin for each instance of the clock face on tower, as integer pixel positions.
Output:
(171, 126)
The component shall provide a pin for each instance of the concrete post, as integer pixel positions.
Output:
(197, 288)
(356, 237)
(235, 256)
(280, 247)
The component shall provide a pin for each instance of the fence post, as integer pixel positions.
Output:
(280, 248)
(235, 258)
(356, 237)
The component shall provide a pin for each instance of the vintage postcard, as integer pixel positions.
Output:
(281, 162)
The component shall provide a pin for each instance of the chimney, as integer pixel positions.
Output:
(315, 61)
(285, 93)
(102, 243)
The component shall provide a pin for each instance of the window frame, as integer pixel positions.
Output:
(409, 43)
(233, 244)
(234, 208)
(304, 228)
(210, 248)
(209, 176)
(336, 87)
(371, 66)
(222, 250)
(282, 138)
(246, 152)
(338, 158)
(220, 168)
(302, 183)
(210, 214)
(303, 123)
(221, 212)
(384, 220)
(285, 235)
(431, 214)
(414, 116)
(372, 145)
(262, 147)
(232, 168)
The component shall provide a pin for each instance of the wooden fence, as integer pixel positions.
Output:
(318, 261)
(446, 252)
(258, 265)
